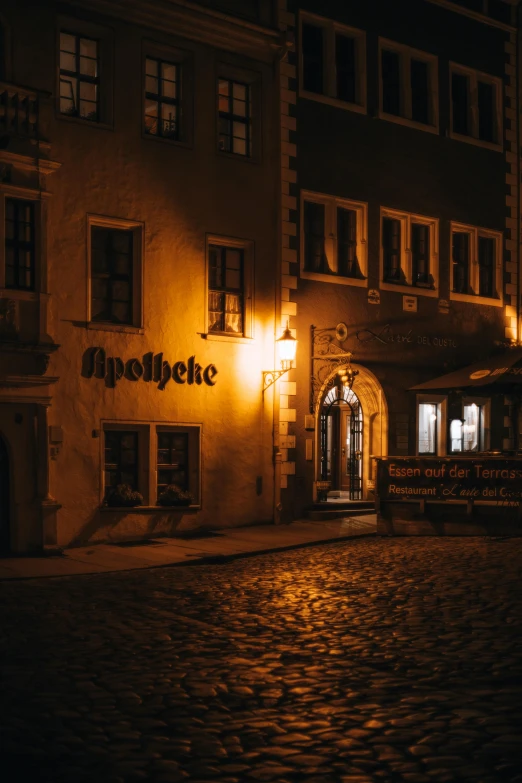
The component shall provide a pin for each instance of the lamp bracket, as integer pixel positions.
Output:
(271, 376)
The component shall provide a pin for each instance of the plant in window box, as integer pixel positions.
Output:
(173, 495)
(124, 495)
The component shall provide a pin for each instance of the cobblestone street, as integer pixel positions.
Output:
(374, 660)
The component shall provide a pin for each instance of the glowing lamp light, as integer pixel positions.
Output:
(287, 345)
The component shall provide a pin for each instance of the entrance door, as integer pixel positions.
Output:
(341, 442)
(5, 527)
(351, 453)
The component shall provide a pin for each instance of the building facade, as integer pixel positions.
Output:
(139, 171)
(400, 234)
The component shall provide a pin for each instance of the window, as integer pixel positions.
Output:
(476, 107)
(234, 117)
(409, 254)
(428, 416)
(172, 460)
(333, 239)
(470, 433)
(476, 264)
(332, 62)
(19, 245)
(121, 459)
(225, 289)
(115, 272)
(408, 86)
(162, 98)
(79, 76)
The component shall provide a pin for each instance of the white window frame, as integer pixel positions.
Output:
(330, 28)
(485, 404)
(137, 270)
(331, 204)
(247, 246)
(441, 401)
(406, 219)
(475, 232)
(406, 54)
(474, 77)
(147, 460)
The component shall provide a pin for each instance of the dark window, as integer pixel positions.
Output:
(19, 244)
(420, 254)
(234, 117)
(111, 275)
(172, 461)
(121, 459)
(347, 263)
(486, 111)
(486, 262)
(162, 98)
(460, 257)
(225, 294)
(460, 102)
(420, 91)
(314, 237)
(391, 82)
(313, 58)
(345, 68)
(391, 243)
(79, 77)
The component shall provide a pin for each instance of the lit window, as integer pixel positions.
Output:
(121, 459)
(476, 263)
(172, 462)
(225, 294)
(332, 58)
(79, 77)
(475, 106)
(162, 98)
(468, 434)
(333, 238)
(234, 117)
(408, 85)
(409, 251)
(428, 421)
(19, 245)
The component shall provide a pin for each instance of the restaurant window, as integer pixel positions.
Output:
(234, 117)
(428, 428)
(469, 433)
(409, 251)
(162, 98)
(408, 85)
(476, 107)
(333, 239)
(20, 250)
(476, 264)
(332, 62)
(121, 459)
(79, 76)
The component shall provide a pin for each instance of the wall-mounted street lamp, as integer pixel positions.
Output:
(287, 346)
(347, 375)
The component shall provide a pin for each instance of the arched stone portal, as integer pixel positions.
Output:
(368, 394)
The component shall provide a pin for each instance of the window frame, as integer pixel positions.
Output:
(330, 28)
(473, 266)
(39, 212)
(331, 204)
(105, 99)
(137, 229)
(406, 254)
(33, 244)
(484, 403)
(475, 76)
(183, 59)
(441, 401)
(406, 55)
(79, 77)
(193, 432)
(143, 457)
(227, 70)
(247, 246)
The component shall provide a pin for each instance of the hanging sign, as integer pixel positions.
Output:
(151, 368)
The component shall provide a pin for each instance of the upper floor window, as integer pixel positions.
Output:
(162, 98)
(19, 245)
(115, 272)
(332, 61)
(234, 117)
(79, 76)
(476, 263)
(476, 108)
(225, 290)
(408, 85)
(333, 239)
(409, 251)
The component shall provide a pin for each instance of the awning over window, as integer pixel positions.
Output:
(498, 373)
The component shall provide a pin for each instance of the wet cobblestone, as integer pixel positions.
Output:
(374, 660)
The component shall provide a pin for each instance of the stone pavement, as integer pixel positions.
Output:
(206, 547)
(395, 660)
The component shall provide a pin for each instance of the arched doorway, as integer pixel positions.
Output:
(360, 427)
(5, 522)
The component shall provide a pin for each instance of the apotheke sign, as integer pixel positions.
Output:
(152, 368)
